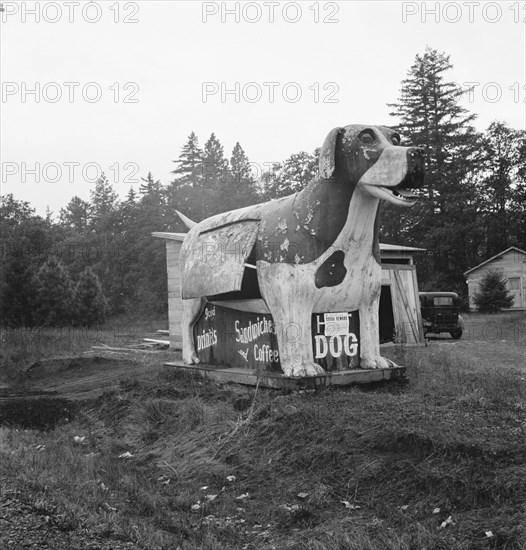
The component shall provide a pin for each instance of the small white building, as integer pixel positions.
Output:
(512, 263)
(399, 302)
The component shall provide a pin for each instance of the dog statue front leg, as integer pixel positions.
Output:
(370, 357)
(288, 297)
(295, 342)
(192, 309)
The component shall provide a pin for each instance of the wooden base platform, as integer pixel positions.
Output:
(279, 381)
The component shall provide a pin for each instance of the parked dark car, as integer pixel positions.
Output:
(440, 313)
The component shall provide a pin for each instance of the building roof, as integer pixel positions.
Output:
(383, 247)
(494, 257)
(399, 248)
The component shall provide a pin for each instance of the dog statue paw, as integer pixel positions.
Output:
(190, 359)
(376, 362)
(305, 369)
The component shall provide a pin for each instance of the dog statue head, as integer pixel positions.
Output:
(372, 158)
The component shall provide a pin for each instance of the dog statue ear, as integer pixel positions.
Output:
(327, 154)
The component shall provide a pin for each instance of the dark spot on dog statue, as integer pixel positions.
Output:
(332, 271)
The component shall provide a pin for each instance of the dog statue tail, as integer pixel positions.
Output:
(187, 221)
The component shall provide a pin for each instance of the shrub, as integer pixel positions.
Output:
(493, 295)
(17, 303)
(54, 294)
(90, 304)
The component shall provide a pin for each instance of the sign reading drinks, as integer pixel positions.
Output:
(236, 338)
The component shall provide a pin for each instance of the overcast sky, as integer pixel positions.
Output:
(161, 69)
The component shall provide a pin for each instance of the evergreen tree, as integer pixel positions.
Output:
(24, 237)
(107, 242)
(13, 211)
(241, 188)
(54, 294)
(89, 303)
(49, 215)
(292, 175)
(151, 191)
(17, 302)
(240, 166)
(75, 215)
(214, 166)
(128, 208)
(103, 203)
(150, 209)
(502, 187)
(430, 116)
(208, 196)
(131, 197)
(189, 161)
(181, 194)
(493, 295)
(445, 221)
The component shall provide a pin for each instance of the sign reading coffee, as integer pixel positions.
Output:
(243, 339)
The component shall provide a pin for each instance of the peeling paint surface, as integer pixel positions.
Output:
(214, 261)
(315, 251)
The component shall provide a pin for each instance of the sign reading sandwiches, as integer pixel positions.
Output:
(237, 338)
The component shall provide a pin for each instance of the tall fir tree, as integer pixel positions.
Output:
(103, 203)
(151, 190)
(189, 161)
(75, 215)
(151, 206)
(181, 194)
(215, 165)
(54, 291)
(242, 190)
(129, 207)
(90, 306)
(445, 222)
(429, 115)
(208, 196)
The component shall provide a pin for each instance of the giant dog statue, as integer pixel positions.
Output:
(314, 251)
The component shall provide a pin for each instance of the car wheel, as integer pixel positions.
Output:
(456, 334)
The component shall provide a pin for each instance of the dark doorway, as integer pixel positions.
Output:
(385, 314)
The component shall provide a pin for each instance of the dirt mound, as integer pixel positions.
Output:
(70, 367)
(51, 388)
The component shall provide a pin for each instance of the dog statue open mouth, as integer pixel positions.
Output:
(314, 251)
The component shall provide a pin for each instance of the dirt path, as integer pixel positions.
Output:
(84, 377)
(52, 388)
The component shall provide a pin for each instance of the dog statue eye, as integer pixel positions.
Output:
(367, 137)
(395, 140)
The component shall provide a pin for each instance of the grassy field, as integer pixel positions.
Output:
(178, 462)
(21, 347)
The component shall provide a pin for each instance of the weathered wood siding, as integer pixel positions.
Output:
(175, 302)
(513, 265)
(406, 304)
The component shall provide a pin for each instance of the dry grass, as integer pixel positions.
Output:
(20, 347)
(453, 439)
